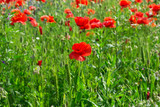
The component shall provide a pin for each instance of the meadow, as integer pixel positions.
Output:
(79, 53)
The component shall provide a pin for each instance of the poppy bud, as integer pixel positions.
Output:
(40, 30)
(148, 94)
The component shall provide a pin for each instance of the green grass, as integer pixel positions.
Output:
(115, 74)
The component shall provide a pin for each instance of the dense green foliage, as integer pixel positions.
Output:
(123, 66)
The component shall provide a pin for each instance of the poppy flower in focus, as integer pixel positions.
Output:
(32, 8)
(138, 1)
(109, 22)
(33, 21)
(39, 63)
(27, 12)
(40, 30)
(125, 3)
(41, 0)
(19, 18)
(84, 2)
(82, 22)
(90, 11)
(80, 50)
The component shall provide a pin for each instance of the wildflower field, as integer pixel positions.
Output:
(79, 53)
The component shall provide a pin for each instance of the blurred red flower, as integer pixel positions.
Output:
(19, 3)
(139, 14)
(149, 1)
(148, 95)
(95, 23)
(109, 22)
(84, 2)
(69, 13)
(138, 1)
(143, 20)
(39, 63)
(125, 3)
(19, 18)
(33, 21)
(32, 8)
(133, 10)
(80, 50)
(15, 10)
(90, 11)
(27, 12)
(133, 19)
(48, 18)
(82, 22)
(41, 0)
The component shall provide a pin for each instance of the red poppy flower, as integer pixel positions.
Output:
(84, 2)
(2, 1)
(133, 10)
(138, 1)
(33, 21)
(151, 14)
(139, 14)
(39, 63)
(80, 50)
(109, 22)
(41, 0)
(132, 19)
(44, 17)
(40, 30)
(69, 13)
(27, 12)
(156, 8)
(19, 3)
(15, 10)
(95, 23)
(32, 8)
(48, 18)
(82, 22)
(125, 3)
(51, 19)
(19, 18)
(143, 20)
